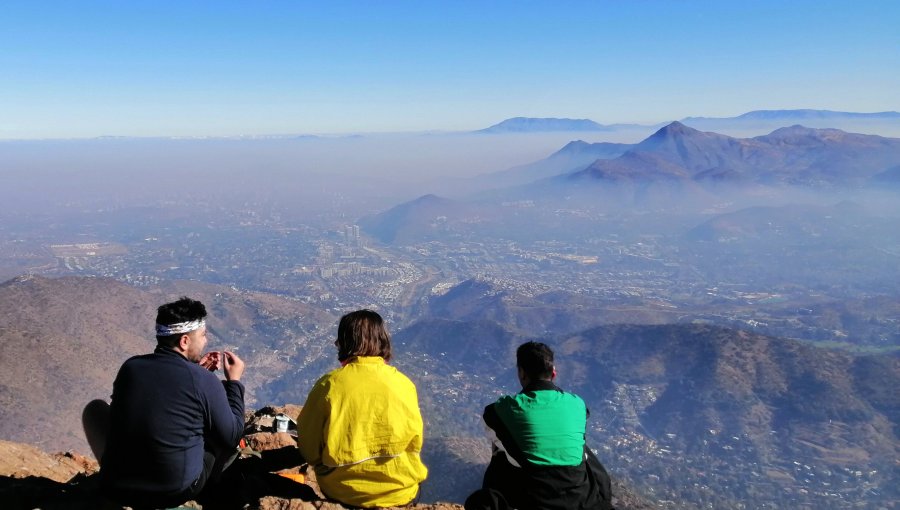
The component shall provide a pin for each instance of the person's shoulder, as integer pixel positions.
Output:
(569, 395)
(573, 400)
(506, 401)
(395, 372)
(388, 372)
(137, 361)
(328, 378)
(574, 396)
(148, 356)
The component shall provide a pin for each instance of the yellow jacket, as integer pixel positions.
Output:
(361, 430)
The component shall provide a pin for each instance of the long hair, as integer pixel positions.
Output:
(363, 333)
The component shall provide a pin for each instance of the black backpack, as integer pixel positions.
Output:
(599, 478)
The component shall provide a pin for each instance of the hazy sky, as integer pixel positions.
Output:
(89, 68)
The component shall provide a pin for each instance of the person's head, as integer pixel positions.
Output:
(535, 363)
(363, 333)
(181, 326)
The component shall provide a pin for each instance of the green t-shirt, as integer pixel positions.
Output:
(547, 425)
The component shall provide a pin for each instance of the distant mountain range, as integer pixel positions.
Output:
(541, 125)
(793, 155)
(801, 115)
(756, 117)
(674, 163)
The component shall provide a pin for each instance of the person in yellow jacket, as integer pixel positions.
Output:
(360, 428)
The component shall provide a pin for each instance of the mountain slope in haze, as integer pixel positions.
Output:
(538, 125)
(763, 224)
(779, 246)
(772, 118)
(829, 156)
(797, 115)
(427, 217)
(884, 123)
(572, 157)
(62, 342)
(679, 165)
(888, 178)
(793, 156)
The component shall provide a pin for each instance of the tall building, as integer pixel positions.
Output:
(351, 236)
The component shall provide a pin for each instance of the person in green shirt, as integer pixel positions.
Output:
(540, 460)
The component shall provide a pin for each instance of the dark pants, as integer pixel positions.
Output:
(140, 500)
(509, 487)
(95, 419)
(501, 479)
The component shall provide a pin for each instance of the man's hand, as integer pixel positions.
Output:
(211, 361)
(233, 366)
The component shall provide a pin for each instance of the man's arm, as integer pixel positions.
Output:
(492, 420)
(226, 403)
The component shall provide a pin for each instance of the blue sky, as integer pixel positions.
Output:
(87, 68)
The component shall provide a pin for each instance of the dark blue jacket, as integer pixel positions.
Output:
(165, 411)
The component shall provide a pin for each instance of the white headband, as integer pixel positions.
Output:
(179, 327)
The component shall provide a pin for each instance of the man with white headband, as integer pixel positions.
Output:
(172, 424)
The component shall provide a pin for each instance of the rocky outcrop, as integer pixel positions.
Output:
(22, 461)
(273, 503)
(268, 475)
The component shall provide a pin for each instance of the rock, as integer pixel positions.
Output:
(30, 478)
(291, 410)
(19, 460)
(273, 503)
(265, 441)
(263, 420)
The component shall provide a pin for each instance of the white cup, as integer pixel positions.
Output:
(281, 423)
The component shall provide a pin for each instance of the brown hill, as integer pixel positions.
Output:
(63, 340)
(712, 416)
(817, 402)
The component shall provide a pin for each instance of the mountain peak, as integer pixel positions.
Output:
(676, 134)
(430, 198)
(801, 135)
(674, 129)
(798, 130)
